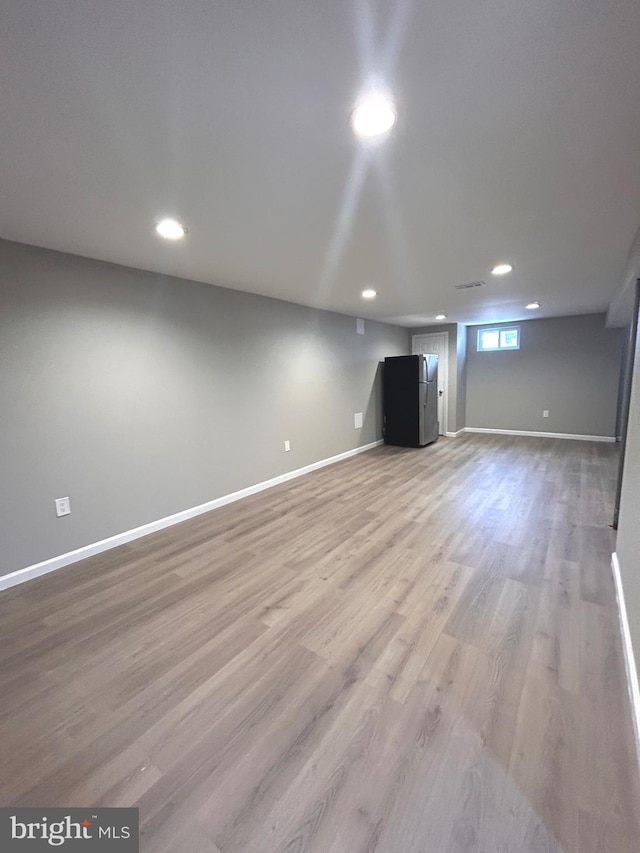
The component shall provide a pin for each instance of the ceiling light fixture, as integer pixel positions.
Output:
(441, 316)
(369, 293)
(532, 306)
(373, 116)
(170, 229)
(502, 269)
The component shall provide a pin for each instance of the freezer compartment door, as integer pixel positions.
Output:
(432, 368)
(423, 368)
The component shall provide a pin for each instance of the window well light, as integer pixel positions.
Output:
(441, 316)
(502, 269)
(532, 306)
(369, 293)
(373, 116)
(170, 229)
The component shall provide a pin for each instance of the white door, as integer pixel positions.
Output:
(437, 343)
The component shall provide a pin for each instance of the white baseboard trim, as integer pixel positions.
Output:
(43, 568)
(627, 648)
(605, 438)
(454, 434)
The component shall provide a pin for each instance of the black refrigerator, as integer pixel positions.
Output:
(410, 400)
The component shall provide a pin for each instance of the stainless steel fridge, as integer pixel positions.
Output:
(410, 400)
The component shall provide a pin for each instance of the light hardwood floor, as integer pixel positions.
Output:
(413, 651)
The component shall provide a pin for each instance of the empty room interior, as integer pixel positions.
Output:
(320, 424)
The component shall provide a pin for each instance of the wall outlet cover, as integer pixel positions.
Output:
(63, 506)
(287, 446)
(545, 413)
(357, 420)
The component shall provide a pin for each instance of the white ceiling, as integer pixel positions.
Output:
(518, 139)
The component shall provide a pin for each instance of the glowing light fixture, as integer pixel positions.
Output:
(369, 293)
(441, 316)
(170, 229)
(502, 269)
(373, 116)
(532, 306)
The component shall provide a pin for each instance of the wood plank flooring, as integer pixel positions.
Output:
(413, 651)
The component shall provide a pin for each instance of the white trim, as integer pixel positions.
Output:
(30, 572)
(455, 434)
(627, 648)
(605, 438)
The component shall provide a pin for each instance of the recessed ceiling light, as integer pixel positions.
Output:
(170, 229)
(441, 316)
(369, 293)
(373, 116)
(502, 269)
(532, 306)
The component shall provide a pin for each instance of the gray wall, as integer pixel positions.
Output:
(569, 365)
(139, 395)
(628, 538)
(461, 368)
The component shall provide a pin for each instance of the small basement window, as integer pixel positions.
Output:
(490, 340)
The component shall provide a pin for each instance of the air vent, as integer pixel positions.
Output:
(470, 285)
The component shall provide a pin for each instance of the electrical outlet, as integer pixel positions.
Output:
(287, 446)
(545, 413)
(357, 420)
(63, 507)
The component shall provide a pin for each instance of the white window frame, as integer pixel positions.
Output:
(497, 329)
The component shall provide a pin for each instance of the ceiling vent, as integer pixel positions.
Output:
(470, 285)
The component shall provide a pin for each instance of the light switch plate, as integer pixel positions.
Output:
(359, 326)
(357, 420)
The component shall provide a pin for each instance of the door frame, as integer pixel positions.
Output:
(443, 375)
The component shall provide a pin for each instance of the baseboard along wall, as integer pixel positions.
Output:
(627, 648)
(569, 435)
(54, 563)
